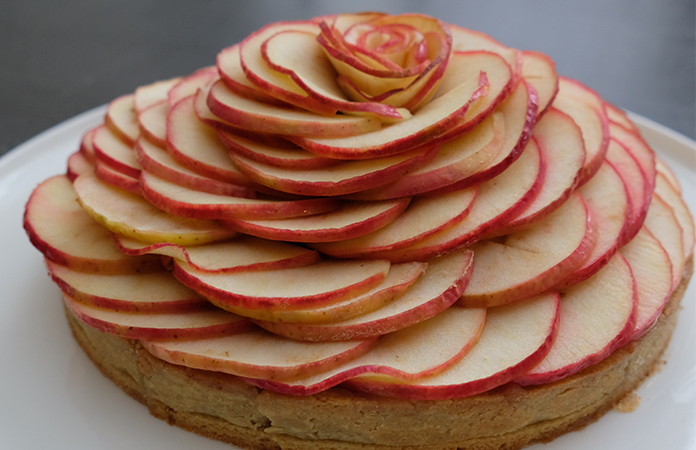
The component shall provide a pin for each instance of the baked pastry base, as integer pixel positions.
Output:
(227, 409)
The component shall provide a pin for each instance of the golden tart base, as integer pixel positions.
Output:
(225, 408)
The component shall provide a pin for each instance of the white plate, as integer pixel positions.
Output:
(51, 396)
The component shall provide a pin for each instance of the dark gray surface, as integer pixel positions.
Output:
(60, 58)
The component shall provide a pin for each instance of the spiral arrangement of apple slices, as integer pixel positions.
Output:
(393, 203)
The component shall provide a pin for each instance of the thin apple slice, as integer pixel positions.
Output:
(540, 72)
(259, 354)
(662, 222)
(156, 292)
(87, 145)
(619, 116)
(349, 221)
(466, 40)
(117, 179)
(286, 288)
(668, 174)
(666, 191)
(147, 95)
(125, 213)
(77, 165)
(652, 271)
(243, 253)
(153, 123)
(204, 322)
(190, 84)
(112, 151)
(641, 151)
(68, 236)
(607, 300)
(531, 260)
(437, 289)
(515, 338)
(122, 120)
(419, 351)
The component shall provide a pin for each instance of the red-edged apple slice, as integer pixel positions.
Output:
(267, 118)
(259, 354)
(122, 119)
(184, 202)
(462, 103)
(466, 40)
(641, 151)
(349, 221)
(153, 123)
(191, 84)
(619, 116)
(652, 271)
(87, 145)
(497, 201)
(424, 217)
(437, 289)
(286, 288)
(668, 175)
(419, 351)
(663, 224)
(540, 72)
(244, 253)
(515, 338)
(150, 94)
(77, 165)
(197, 146)
(157, 292)
(115, 178)
(205, 322)
(68, 236)
(672, 197)
(160, 163)
(125, 213)
(531, 260)
(113, 152)
(608, 302)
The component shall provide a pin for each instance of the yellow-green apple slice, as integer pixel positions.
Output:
(197, 146)
(153, 123)
(419, 351)
(204, 322)
(190, 84)
(160, 163)
(531, 260)
(437, 289)
(259, 354)
(607, 300)
(125, 213)
(266, 118)
(344, 178)
(425, 216)
(605, 196)
(668, 174)
(459, 107)
(350, 220)
(619, 116)
(122, 119)
(147, 95)
(497, 201)
(540, 72)
(286, 288)
(652, 271)
(115, 178)
(112, 151)
(515, 338)
(667, 193)
(663, 224)
(184, 202)
(77, 165)
(243, 253)
(156, 292)
(68, 236)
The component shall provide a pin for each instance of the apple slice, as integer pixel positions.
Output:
(150, 94)
(77, 165)
(259, 354)
(68, 236)
(153, 123)
(540, 72)
(122, 120)
(243, 253)
(652, 270)
(156, 292)
(112, 151)
(125, 213)
(531, 260)
(202, 323)
(608, 301)
(191, 84)
(87, 145)
(619, 116)
(349, 221)
(663, 224)
(117, 179)
(641, 151)
(515, 338)
(668, 174)
(667, 193)
(466, 40)
(286, 288)
(436, 290)
(419, 351)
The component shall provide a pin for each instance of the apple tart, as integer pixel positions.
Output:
(367, 231)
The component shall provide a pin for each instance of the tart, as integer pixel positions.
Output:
(369, 231)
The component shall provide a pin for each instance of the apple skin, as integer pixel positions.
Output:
(110, 150)
(190, 84)
(117, 179)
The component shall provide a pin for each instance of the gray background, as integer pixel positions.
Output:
(60, 58)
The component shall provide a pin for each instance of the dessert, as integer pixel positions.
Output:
(368, 231)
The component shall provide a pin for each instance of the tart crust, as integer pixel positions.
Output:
(225, 408)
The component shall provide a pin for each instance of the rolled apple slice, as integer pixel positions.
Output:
(113, 152)
(671, 196)
(540, 72)
(205, 322)
(453, 333)
(515, 338)
(153, 123)
(607, 300)
(157, 292)
(437, 289)
(191, 84)
(150, 94)
(333, 281)
(117, 179)
(349, 221)
(532, 260)
(68, 236)
(125, 213)
(122, 120)
(662, 222)
(77, 165)
(243, 253)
